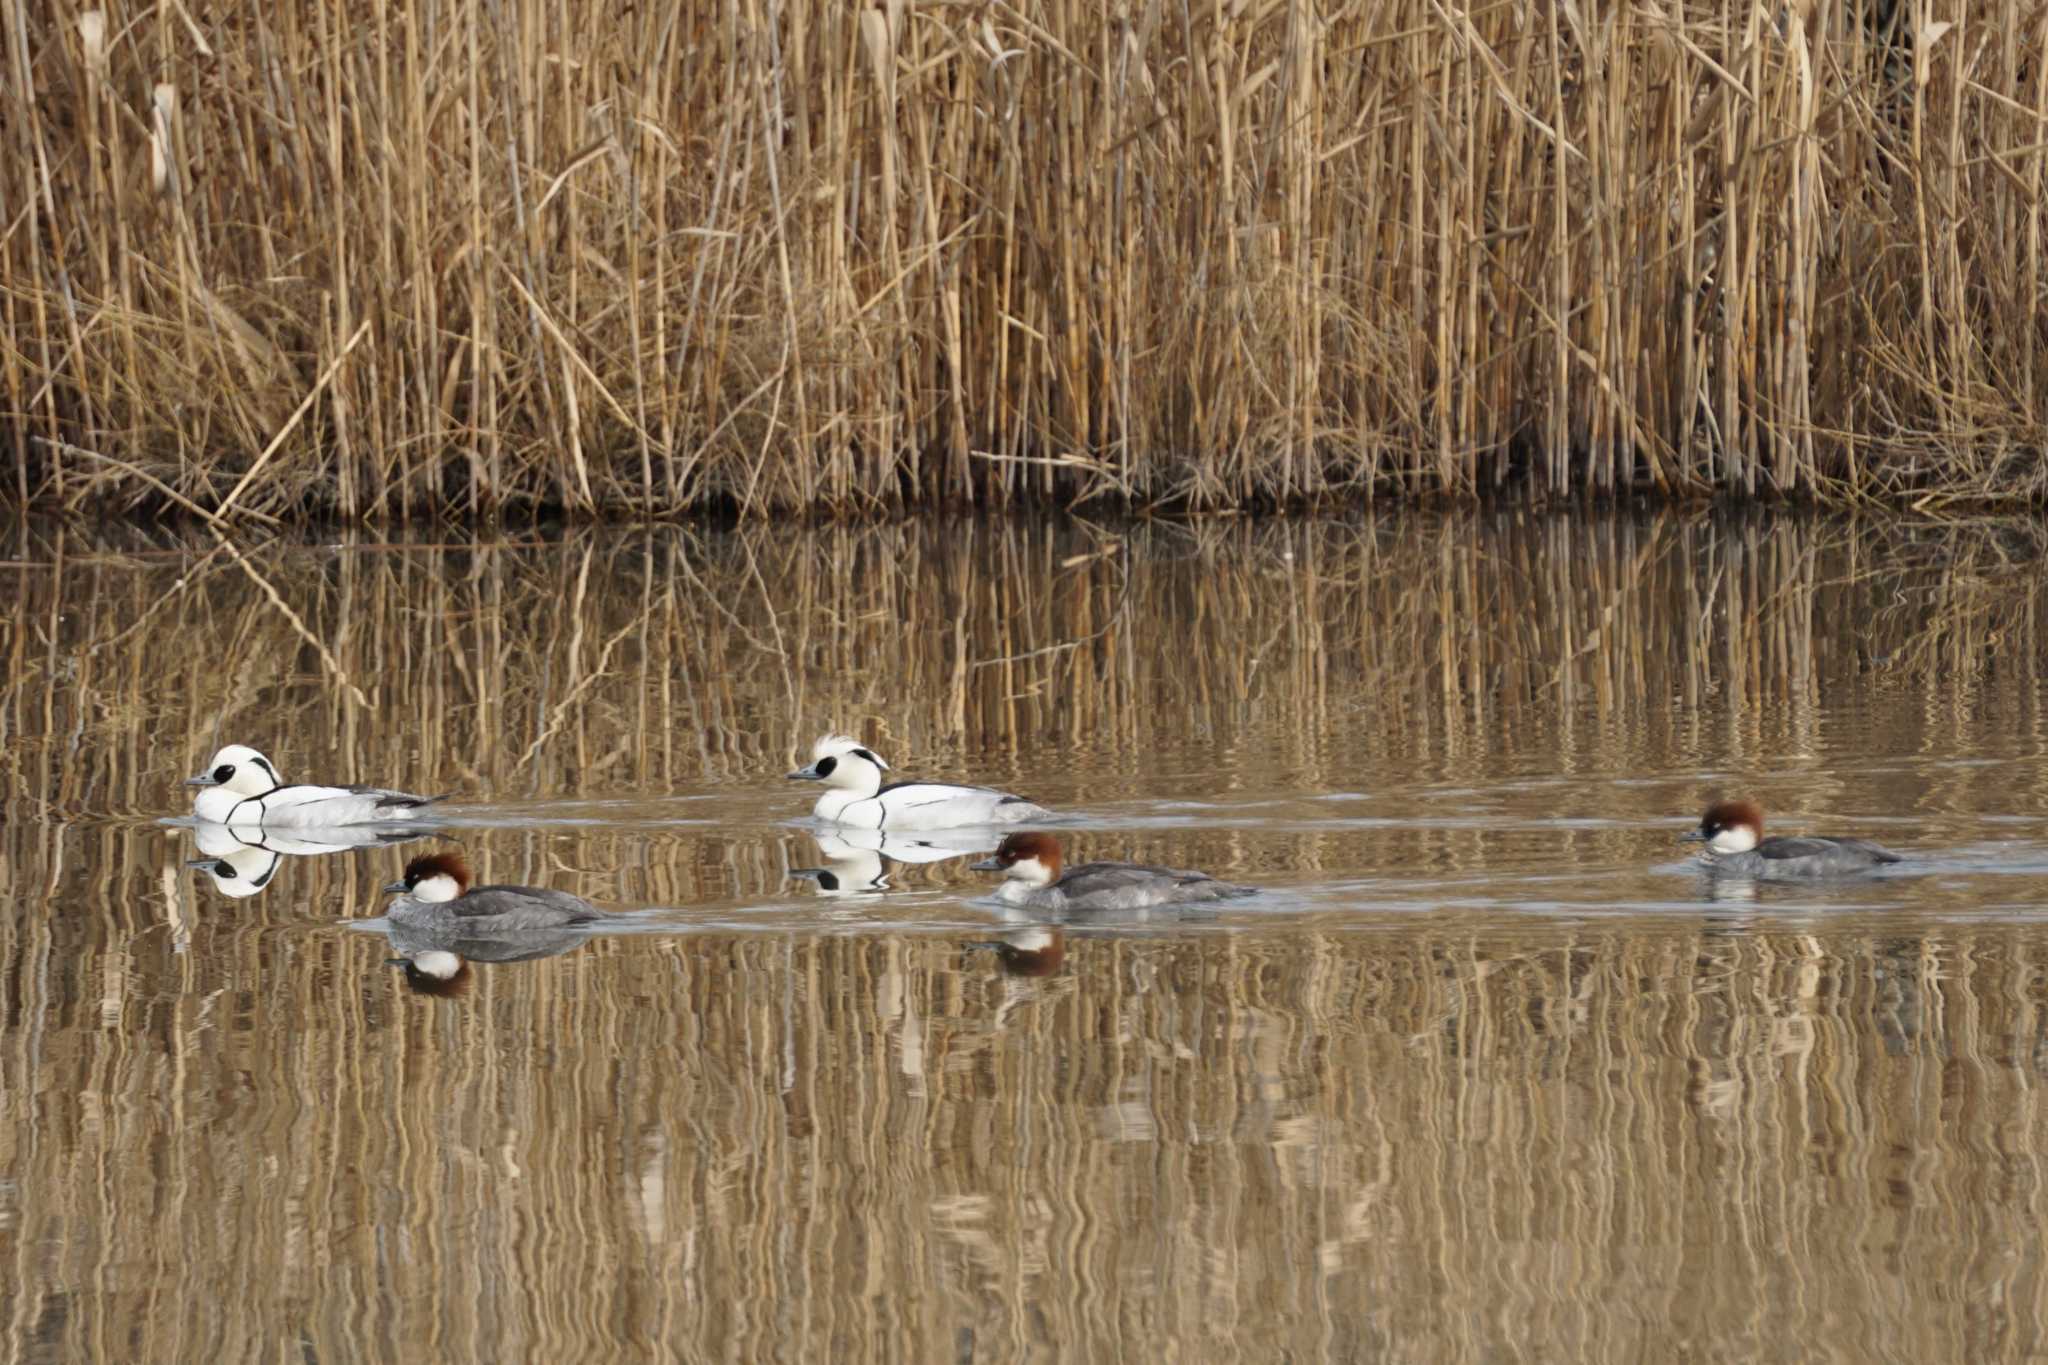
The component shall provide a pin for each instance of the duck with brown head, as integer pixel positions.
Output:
(1733, 834)
(435, 894)
(1035, 877)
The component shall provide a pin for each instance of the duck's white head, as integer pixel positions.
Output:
(241, 770)
(1729, 827)
(1032, 857)
(433, 877)
(841, 761)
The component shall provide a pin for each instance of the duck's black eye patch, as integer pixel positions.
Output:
(827, 882)
(224, 772)
(863, 753)
(826, 765)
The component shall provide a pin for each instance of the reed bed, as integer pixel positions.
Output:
(638, 260)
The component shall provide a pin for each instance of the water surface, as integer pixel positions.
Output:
(1488, 1072)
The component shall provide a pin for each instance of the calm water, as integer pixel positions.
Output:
(1488, 1073)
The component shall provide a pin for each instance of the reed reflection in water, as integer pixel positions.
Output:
(1483, 1075)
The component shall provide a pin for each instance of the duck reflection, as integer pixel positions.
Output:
(437, 963)
(1033, 951)
(244, 860)
(858, 860)
(1034, 944)
(435, 972)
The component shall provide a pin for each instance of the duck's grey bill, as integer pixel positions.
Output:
(1693, 836)
(203, 780)
(809, 774)
(986, 865)
(397, 888)
(207, 863)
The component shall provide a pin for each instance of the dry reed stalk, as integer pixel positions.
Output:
(779, 257)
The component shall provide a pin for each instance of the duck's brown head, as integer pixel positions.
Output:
(1729, 827)
(1032, 856)
(433, 877)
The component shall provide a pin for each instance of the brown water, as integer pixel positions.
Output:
(1487, 1073)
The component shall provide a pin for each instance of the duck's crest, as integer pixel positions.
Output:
(828, 745)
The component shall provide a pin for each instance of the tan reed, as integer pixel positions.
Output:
(641, 260)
